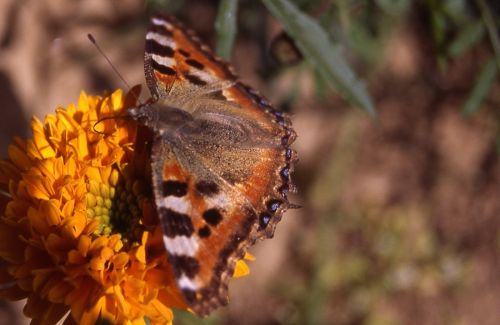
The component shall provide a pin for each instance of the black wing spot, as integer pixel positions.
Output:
(195, 80)
(212, 217)
(175, 224)
(184, 53)
(174, 188)
(154, 47)
(195, 64)
(204, 232)
(163, 69)
(189, 295)
(185, 264)
(162, 30)
(207, 188)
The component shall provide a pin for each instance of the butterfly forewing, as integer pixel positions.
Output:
(220, 176)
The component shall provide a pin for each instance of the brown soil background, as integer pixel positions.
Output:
(400, 221)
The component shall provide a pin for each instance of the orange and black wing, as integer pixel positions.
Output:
(214, 198)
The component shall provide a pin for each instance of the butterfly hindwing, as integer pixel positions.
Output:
(203, 226)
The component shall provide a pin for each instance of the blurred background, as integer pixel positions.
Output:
(399, 175)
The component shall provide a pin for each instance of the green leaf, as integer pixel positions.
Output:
(439, 26)
(320, 52)
(491, 26)
(225, 27)
(483, 85)
(468, 36)
(362, 42)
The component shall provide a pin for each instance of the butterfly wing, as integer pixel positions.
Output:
(174, 53)
(221, 179)
(206, 226)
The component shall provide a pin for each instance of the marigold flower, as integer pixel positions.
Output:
(79, 235)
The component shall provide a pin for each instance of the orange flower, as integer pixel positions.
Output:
(79, 233)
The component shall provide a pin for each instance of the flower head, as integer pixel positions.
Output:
(79, 233)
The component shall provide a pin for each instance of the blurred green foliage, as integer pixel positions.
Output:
(319, 50)
(484, 82)
(466, 22)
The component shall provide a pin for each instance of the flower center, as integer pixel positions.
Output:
(116, 205)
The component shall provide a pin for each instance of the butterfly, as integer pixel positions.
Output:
(221, 161)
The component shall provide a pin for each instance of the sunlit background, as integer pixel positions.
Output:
(400, 217)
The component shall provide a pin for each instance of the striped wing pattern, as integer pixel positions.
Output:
(221, 161)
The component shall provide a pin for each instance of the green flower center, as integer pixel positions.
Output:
(116, 207)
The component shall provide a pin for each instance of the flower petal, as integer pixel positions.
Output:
(19, 157)
(241, 269)
(42, 145)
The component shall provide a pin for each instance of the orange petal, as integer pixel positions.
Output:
(68, 122)
(53, 314)
(59, 291)
(35, 187)
(84, 243)
(40, 141)
(249, 257)
(115, 242)
(81, 298)
(38, 222)
(106, 253)
(50, 211)
(80, 144)
(74, 257)
(117, 100)
(120, 260)
(165, 312)
(140, 254)
(97, 264)
(68, 209)
(241, 269)
(73, 227)
(90, 316)
(83, 102)
(19, 157)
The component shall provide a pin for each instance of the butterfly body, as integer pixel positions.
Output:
(221, 161)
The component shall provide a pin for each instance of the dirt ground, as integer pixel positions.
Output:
(400, 217)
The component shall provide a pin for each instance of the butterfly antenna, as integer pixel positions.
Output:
(125, 117)
(92, 39)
